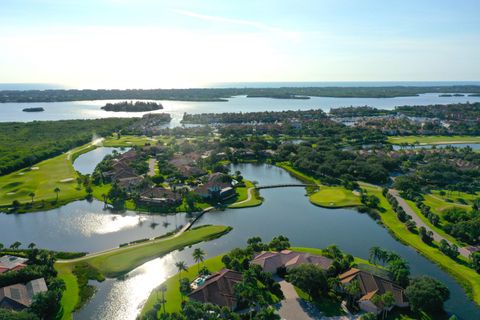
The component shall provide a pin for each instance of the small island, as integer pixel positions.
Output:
(34, 109)
(129, 106)
(452, 95)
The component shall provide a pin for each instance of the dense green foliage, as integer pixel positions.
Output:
(24, 144)
(129, 106)
(426, 294)
(265, 117)
(220, 94)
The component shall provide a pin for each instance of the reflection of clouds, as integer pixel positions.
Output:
(93, 223)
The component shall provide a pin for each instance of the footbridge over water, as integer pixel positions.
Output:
(285, 185)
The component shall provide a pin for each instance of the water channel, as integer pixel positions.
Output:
(92, 109)
(88, 226)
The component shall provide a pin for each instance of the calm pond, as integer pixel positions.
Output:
(285, 211)
(91, 109)
(86, 163)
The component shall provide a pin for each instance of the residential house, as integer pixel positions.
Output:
(371, 285)
(271, 261)
(12, 263)
(218, 289)
(19, 296)
(161, 196)
(215, 190)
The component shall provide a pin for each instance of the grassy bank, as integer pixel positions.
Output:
(466, 276)
(334, 197)
(119, 261)
(242, 201)
(42, 179)
(434, 139)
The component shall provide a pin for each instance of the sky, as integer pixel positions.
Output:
(167, 44)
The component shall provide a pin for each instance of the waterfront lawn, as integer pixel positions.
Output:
(119, 261)
(434, 139)
(335, 197)
(242, 195)
(172, 295)
(466, 276)
(41, 179)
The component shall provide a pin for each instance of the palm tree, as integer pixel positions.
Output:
(163, 288)
(352, 289)
(374, 254)
(198, 255)
(15, 245)
(388, 301)
(31, 245)
(31, 195)
(181, 266)
(104, 197)
(56, 190)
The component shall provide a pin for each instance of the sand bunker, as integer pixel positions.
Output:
(34, 168)
(10, 193)
(67, 180)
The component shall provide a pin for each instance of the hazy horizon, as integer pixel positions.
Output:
(158, 44)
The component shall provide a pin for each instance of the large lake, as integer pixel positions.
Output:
(88, 226)
(91, 109)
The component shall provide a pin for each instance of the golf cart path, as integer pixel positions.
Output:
(420, 223)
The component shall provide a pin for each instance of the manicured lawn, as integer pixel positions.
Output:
(41, 179)
(436, 229)
(70, 297)
(457, 197)
(434, 139)
(119, 261)
(466, 276)
(242, 196)
(334, 197)
(172, 295)
(297, 174)
(128, 141)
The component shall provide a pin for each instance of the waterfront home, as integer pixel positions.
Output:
(12, 263)
(20, 296)
(215, 190)
(272, 261)
(370, 286)
(160, 196)
(218, 289)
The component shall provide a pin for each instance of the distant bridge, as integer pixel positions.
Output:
(285, 185)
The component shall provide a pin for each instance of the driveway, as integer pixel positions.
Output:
(293, 307)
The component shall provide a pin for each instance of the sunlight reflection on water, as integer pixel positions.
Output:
(126, 297)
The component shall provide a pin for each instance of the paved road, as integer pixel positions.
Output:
(420, 223)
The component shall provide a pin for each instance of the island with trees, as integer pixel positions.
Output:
(130, 106)
(33, 109)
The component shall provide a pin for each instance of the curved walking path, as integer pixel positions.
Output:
(249, 196)
(420, 223)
